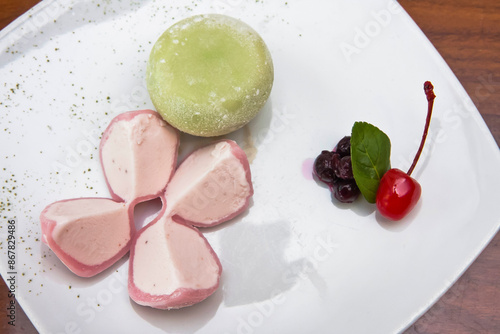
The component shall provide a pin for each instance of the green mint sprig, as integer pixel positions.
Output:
(370, 157)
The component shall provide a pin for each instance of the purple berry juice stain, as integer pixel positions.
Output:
(307, 168)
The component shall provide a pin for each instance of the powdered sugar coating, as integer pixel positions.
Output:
(209, 75)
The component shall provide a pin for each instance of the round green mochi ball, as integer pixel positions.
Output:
(209, 75)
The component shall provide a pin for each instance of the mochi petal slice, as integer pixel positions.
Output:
(171, 266)
(212, 185)
(88, 234)
(138, 155)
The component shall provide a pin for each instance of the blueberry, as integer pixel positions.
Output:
(345, 191)
(343, 169)
(324, 166)
(344, 146)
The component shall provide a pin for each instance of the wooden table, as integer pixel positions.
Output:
(467, 34)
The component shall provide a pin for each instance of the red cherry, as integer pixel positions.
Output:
(397, 194)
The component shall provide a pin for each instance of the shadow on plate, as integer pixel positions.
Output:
(398, 226)
(146, 212)
(255, 269)
(360, 206)
(254, 257)
(249, 137)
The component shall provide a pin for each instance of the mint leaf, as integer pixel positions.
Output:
(370, 157)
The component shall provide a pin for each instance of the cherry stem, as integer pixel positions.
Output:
(429, 93)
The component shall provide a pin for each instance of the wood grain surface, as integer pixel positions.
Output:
(467, 35)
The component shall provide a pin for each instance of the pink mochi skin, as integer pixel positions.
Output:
(182, 296)
(171, 263)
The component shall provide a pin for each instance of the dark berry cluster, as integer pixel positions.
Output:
(335, 169)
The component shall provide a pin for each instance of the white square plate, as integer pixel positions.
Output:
(295, 262)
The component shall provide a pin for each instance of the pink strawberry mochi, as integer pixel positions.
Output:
(171, 263)
(212, 185)
(88, 234)
(138, 155)
(171, 266)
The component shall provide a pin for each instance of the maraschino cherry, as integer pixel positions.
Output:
(398, 192)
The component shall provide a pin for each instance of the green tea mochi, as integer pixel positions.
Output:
(209, 75)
